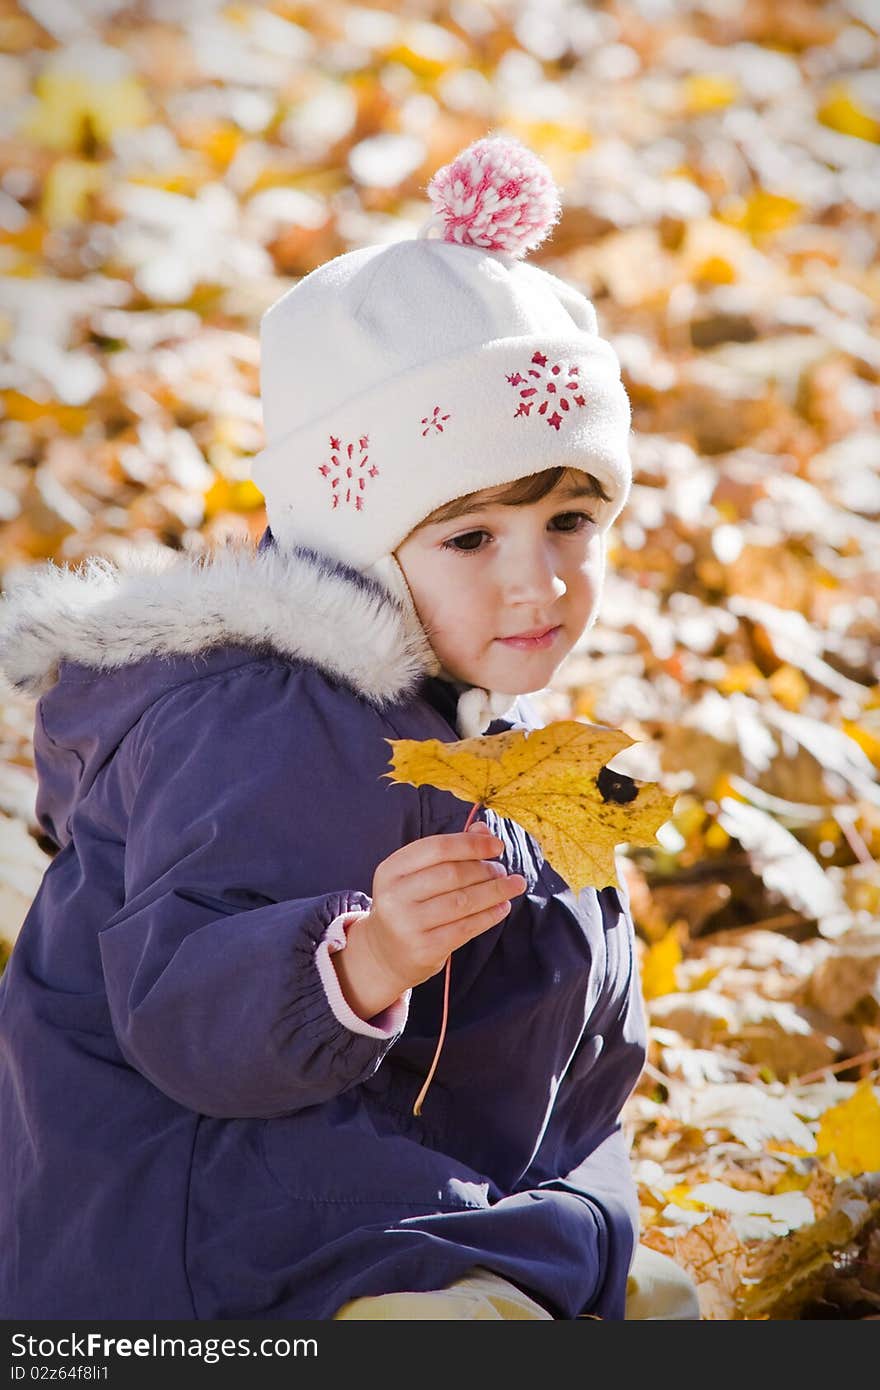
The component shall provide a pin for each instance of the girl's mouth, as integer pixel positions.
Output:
(530, 644)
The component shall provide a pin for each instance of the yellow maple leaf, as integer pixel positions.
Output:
(851, 1131)
(551, 781)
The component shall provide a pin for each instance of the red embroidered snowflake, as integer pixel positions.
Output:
(348, 477)
(554, 385)
(435, 420)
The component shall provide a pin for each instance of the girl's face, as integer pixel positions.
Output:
(499, 571)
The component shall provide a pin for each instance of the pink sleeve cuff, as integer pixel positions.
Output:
(384, 1025)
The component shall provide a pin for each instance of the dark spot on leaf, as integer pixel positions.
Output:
(616, 786)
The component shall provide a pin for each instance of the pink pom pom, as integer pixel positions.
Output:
(496, 194)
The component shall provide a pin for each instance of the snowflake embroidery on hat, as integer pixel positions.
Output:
(555, 385)
(434, 420)
(348, 477)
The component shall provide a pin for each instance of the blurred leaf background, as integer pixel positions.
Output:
(168, 168)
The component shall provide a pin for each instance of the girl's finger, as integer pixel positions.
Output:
(463, 903)
(450, 876)
(439, 849)
(449, 938)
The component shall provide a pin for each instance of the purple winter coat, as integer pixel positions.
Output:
(188, 1130)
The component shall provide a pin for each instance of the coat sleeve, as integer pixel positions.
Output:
(257, 815)
(584, 1151)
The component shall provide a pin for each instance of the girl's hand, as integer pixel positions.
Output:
(429, 897)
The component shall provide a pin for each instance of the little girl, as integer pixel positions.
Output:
(226, 996)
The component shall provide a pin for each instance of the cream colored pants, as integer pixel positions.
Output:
(657, 1288)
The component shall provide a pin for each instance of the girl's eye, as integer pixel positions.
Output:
(459, 542)
(469, 543)
(581, 520)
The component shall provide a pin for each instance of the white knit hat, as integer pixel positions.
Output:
(396, 378)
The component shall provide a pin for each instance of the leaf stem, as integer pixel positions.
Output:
(861, 1060)
(417, 1108)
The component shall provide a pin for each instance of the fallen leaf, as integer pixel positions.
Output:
(69, 186)
(781, 1275)
(708, 91)
(713, 1255)
(850, 972)
(785, 866)
(839, 110)
(777, 1213)
(553, 782)
(747, 1112)
(762, 212)
(851, 1132)
(75, 104)
(18, 406)
(764, 1032)
(659, 967)
(232, 495)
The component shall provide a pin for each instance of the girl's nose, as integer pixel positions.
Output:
(534, 579)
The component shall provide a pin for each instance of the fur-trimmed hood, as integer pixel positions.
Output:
(99, 643)
(296, 602)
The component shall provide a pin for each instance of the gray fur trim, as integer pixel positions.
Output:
(296, 602)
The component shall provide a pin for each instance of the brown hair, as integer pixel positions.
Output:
(516, 494)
